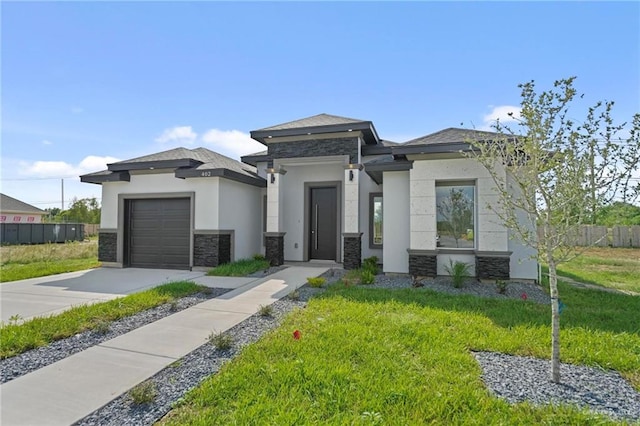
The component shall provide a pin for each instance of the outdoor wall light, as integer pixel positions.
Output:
(273, 178)
(350, 175)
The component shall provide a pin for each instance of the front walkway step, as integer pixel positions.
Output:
(69, 390)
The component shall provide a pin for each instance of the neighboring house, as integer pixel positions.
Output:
(16, 211)
(326, 188)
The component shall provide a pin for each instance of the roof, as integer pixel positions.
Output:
(313, 121)
(186, 162)
(453, 135)
(10, 204)
(318, 124)
(451, 140)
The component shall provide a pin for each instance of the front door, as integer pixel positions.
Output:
(323, 223)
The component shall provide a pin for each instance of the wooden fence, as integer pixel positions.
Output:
(91, 229)
(601, 236)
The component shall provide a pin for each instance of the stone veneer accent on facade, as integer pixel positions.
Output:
(493, 267)
(274, 247)
(211, 250)
(108, 246)
(352, 251)
(423, 263)
(314, 148)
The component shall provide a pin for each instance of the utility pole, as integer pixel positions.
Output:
(62, 198)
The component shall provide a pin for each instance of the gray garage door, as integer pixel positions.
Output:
(157, 233)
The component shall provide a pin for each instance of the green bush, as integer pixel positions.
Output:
(259, 256)
(143, 393)
(367, 277)
(316, 282)
(221, 341)
(371, 264)
(265, 310)
(459, 271)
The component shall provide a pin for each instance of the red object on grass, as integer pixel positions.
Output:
(297, 335)
(524, 296)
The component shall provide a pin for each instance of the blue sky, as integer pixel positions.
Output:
(86, 83)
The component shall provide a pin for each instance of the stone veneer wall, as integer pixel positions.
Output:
(211, 250)
(108, 246)
(274, 248)
(493, 267)
(314, 148)
(352, 251)
(423, 265)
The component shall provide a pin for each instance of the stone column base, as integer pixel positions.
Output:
(274, 247)
(423, 263)
(352, 250)
(493, 265)
(212, 249)
(108, 246)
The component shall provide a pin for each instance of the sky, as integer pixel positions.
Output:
(84, 84)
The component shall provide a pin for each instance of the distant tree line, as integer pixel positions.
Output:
(618, 213)
(84, 210)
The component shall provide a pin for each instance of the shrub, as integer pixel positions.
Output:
(459, 271)
(102, 326)
(367, 277)
(316, 282)
(371, 264)
(265, 310)
(221, 341)
(143, 393)
(294, 295)
(259, 256)
(502, 286)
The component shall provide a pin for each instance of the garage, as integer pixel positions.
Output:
(157, 233)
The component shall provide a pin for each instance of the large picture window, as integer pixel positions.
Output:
(375, 220)
(455, 205)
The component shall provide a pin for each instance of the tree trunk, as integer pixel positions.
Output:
(555, 322)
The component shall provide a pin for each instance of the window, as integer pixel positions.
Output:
(455, 205)
(375, 220)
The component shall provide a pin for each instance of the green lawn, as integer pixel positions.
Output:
(616, 268)
(240, 268)
(17, 338)
(39, 260)
(370, 356)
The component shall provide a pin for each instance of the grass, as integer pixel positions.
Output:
(616, 268)
(17, 338)
(38, 260)
(239, 268)
(403, 357)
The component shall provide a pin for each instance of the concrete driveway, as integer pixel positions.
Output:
(56, 293)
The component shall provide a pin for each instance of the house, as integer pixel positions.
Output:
(16, 211)
(325, 188)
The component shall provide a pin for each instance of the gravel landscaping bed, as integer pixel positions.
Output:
(518, 379)
(269, 271)
(26, 362)
(175, 380)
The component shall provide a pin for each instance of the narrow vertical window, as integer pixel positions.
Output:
(375, 220)
(455, 205)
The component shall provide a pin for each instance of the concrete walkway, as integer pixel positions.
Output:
(68, 390)
(56, 293)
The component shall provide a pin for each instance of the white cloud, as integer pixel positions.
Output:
(232, 143)
(47, 142)
(62, 169)
(503, 113)
(178, 134)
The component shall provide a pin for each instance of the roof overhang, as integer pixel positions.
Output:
(438, 148)
(99, 178)
(255, 159)
(223, 173)
(375, 150)
(366, 127)
(151, 165)
(375, 171)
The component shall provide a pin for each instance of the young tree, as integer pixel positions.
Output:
(558, 173)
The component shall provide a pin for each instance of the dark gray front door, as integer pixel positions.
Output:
(157, 233)
(323, 222)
